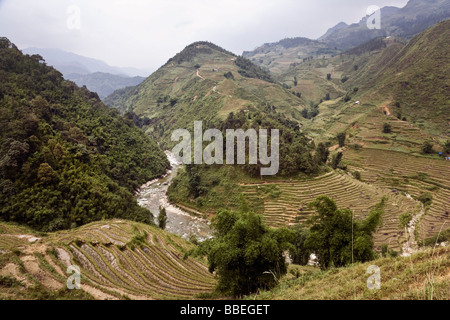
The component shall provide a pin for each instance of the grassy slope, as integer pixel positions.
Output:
(423, 276)
(118, 260)
(278, 57)
(384, 158)
(200, 94)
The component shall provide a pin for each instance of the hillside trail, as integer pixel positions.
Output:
(174, 83)
(386, 109)
(198, 75)
(410, 246)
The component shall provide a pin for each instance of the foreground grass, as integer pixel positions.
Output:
(423, 276)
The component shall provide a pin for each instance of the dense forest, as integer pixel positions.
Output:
(65, 158)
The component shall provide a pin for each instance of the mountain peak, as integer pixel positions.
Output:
(198, 48)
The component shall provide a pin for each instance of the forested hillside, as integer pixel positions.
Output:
(65, 158)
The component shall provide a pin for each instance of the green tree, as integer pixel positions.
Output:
(229, 75)
(336, 160)
(337, 238)
(341, 139)
(427, 148)
(305, 113)
(426, 198)
(404, 220)
(300, 253)
(162, 218)
(447, 147)
(246, 255)
(295, 81)
(387, 128)
(322, 153)
(194, 184)
(46, 174)
(329, 76)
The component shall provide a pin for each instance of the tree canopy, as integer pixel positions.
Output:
(66, 159)
(246, 255)
(337, 238)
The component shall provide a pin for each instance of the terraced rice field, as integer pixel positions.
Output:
(286, 202)
(411, 174)
(404, 136)
(117, 259)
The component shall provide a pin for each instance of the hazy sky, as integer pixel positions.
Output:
(146, 33)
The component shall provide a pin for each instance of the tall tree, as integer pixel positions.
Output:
(341, 139)
(162, 218)
(246, 255)
(337, 238)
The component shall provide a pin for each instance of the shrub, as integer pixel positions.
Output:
(229, 75)
(427, 148)
(426, 198)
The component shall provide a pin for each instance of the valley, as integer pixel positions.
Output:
(90, 180)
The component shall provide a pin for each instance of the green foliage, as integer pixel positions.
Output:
(9, 282)
(357, 175)
(384, 250)
(437, 239)
(336, 160)
(322, 153)
(337, 238)
(229, 75)
(404, 219)
(387, 128)
(426, 198)
(250, 70)
(341, 139)
(138, 240)
(427, 148)
(329, 76)
(65, 158)
(246, 255)
(447, 147)
(162, 218)
(300, 254)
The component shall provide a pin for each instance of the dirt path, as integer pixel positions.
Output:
(198, 75)
(174, 83)
(410, 246)
(333, 147)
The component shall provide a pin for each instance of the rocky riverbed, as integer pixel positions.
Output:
(153, 195)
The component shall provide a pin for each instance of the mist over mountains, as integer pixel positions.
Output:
(95, 74)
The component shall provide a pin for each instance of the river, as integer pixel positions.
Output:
(153, 195)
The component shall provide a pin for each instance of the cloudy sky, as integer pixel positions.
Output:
(146, 33)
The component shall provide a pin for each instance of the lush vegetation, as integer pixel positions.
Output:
(337, 238)
(65, 158)
(245, 254)
(250, 70)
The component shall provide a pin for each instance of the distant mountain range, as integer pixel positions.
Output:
(95, 74)
(69, 63)
(406, 22)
